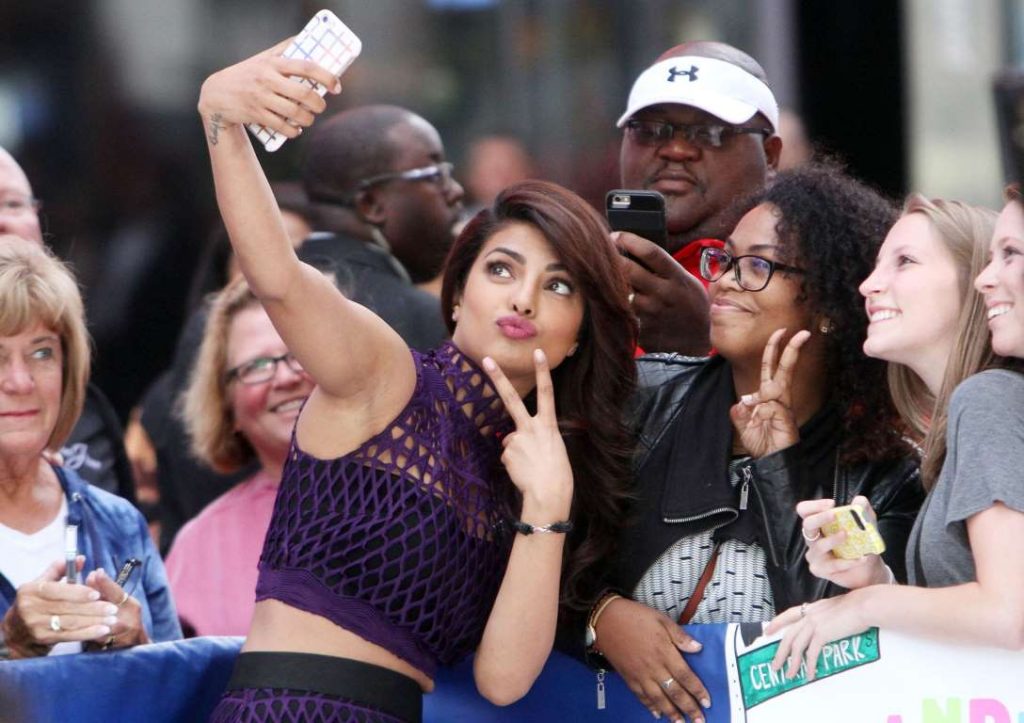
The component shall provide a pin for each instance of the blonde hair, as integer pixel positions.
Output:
(965, 230)
(37, 287)
(205, 408)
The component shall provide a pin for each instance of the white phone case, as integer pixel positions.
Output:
(329, 43)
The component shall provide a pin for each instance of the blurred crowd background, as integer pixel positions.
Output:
(97, 102)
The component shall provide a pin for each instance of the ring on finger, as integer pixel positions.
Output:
(124, 599)
(55, 623)
(803, 610)
(667, 683)
(632, 295)
(810, 538)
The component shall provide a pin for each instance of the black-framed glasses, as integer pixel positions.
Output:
(437, 173)
(17, 204)
(262, 369)
(703, 135)
(752, 272)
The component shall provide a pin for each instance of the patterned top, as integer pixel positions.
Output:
(739, 590)
(402, 541)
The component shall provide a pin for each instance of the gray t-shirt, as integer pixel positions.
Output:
(984, 465)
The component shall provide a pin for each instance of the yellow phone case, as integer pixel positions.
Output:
(862, 537)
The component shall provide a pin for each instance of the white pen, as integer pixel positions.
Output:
(71, 552)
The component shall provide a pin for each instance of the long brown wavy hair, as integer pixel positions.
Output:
(593, 385)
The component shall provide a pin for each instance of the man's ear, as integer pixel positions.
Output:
(773, 151)
(369, 205)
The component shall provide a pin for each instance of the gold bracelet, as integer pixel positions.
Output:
(595, 615)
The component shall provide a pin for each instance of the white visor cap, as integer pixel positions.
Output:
(722, 89)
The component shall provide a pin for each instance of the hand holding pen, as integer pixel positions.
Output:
(49, 610)
(128, 629)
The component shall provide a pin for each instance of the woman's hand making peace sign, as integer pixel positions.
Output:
(535, 454)
(764, 420)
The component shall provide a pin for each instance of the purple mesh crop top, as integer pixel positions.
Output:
(401, 541)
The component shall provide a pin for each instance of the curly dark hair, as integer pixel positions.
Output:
(832, 225)
(593, 386)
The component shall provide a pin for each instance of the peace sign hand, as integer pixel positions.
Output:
(764, 420)
(535, 454)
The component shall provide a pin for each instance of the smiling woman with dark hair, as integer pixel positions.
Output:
(426, 497)
(790, 408)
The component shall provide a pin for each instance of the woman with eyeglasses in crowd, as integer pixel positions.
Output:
(240, 406)
(964, 553)
(788, 409)
(424, 505)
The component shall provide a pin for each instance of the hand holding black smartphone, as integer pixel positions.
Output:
(638, 212)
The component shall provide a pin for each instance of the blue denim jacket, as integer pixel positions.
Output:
(111, 530)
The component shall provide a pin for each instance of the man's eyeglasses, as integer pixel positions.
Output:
(16, 205)
(752, 272)
(438, 173)
(702, 135)
(262, 369)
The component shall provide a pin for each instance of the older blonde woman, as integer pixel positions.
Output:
(44, 366)
(241, 405)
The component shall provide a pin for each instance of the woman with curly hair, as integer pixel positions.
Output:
(729, 444)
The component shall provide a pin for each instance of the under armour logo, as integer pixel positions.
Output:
(691, 73)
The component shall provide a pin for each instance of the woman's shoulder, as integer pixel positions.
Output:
(99, 500)
(655, 370)
(990, 390)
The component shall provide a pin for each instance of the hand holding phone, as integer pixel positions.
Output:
(638, 212)
(862, 536)
(329, 43)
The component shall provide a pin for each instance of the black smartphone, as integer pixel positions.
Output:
(1009, 95)
(639, 212)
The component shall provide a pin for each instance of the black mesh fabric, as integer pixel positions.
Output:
(402, 541)
(281, 705)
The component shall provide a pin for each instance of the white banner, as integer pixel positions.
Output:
(877, 677)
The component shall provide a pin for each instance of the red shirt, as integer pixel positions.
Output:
(689, 258)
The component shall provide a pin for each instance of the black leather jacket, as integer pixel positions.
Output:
(776, 483)
(666, 507)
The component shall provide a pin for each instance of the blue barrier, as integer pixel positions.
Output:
(181, 681)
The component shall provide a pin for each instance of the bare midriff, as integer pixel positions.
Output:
(277, 627)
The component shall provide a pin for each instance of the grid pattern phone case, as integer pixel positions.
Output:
(329, 43)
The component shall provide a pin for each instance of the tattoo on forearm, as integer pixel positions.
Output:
(216, 126)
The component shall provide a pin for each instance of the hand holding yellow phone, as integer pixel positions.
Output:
(862, 536)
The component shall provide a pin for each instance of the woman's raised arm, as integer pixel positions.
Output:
(346, 348)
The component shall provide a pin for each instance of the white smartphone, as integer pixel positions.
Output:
(329, 43)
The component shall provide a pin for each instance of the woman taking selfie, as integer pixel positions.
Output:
(423, 507)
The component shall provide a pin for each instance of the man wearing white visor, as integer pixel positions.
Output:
(700, 128)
